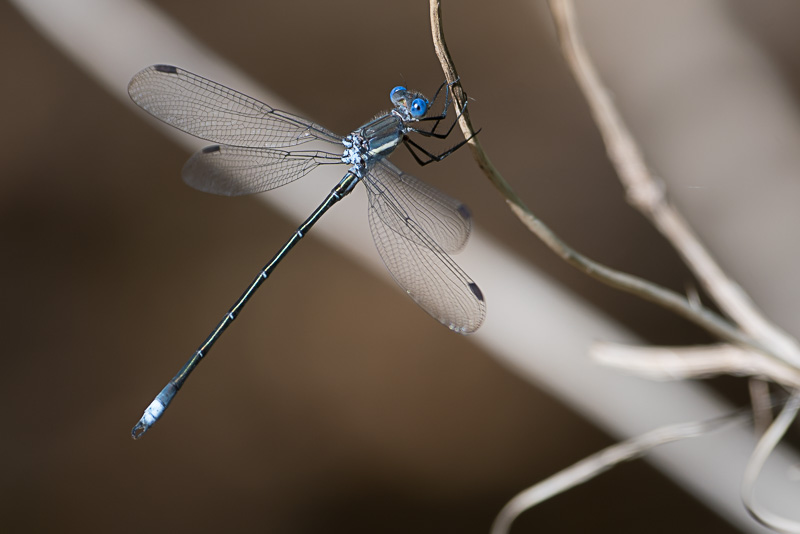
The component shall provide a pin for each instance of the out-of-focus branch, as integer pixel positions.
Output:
(602, 461)
(670, 300)
(779, 362)
(762, 452)
(680, 363)
(647, 194)
(761, 402)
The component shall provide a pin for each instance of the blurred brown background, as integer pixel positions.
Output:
(336, 407)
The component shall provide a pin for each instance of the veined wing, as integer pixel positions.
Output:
(211, 111)
(421, 267)
(229, 170)
(441, 217)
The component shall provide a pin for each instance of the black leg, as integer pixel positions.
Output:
(447, 101)
(446, 98)
(432, 157)
(436, 94)
(432, 132)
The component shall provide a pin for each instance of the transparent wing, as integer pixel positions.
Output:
(441, 217)
(228, 170)
(211, 111)
(420, 266)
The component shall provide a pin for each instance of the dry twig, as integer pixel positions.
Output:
(602, 461)
(669, 299)
(779, 356)
(761, 348)
(762, 452)
(647, 194)
(681, 363)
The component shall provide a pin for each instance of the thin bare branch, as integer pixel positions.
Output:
(671, 300)
(761, 403)
(451, 75)
(602, 461)
(762, 452)
(647, 194)
(680, 363)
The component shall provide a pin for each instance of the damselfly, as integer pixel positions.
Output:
(415, 226)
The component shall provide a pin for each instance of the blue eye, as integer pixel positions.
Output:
(418, 107)
(397, 94)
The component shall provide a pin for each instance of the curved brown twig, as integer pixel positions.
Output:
(662, 296)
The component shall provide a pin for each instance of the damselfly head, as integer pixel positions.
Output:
(414, 104)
